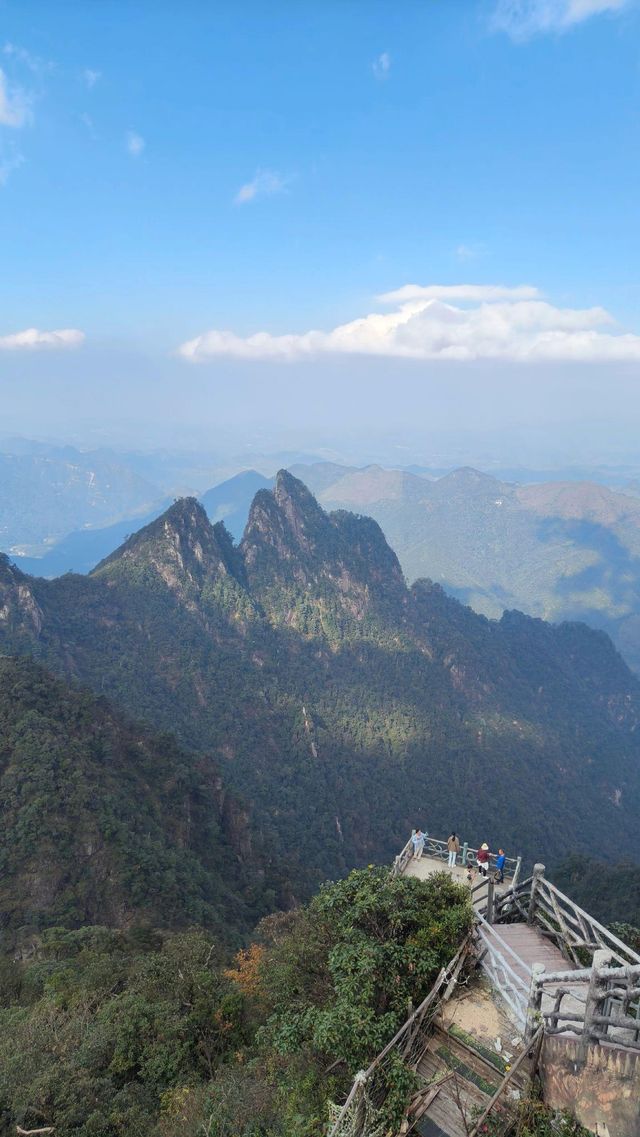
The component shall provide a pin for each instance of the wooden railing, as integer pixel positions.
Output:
(599, 1004)
(402, 860)
(576, 933)
(594, 999)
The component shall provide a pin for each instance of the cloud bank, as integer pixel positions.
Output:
(522, 19)
(489, 322)
(33, 340)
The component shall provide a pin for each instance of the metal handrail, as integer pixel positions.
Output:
(434, 846)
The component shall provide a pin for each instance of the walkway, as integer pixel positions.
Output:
(473, 1040)
(427, 866)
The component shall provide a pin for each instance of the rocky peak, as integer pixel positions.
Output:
(286, 521)
(181, 545)
(291, 541)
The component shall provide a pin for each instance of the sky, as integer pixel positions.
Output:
(321, 221)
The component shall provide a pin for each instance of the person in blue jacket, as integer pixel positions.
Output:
(500, 860)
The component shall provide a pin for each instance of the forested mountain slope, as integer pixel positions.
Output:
(559, 550)
(104, 822)
(342, 706)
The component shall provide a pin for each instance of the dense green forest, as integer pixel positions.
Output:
(108, 1033)
(608, 890)
(104, 822)
(341, 707)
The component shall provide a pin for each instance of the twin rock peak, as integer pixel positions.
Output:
(288, 539)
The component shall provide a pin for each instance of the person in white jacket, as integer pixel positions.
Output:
(418, 838)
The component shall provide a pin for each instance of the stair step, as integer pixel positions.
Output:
(488, 1064)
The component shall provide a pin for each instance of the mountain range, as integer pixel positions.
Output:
(558, 550)
(554, 549)
(49, 491)
(340, 706)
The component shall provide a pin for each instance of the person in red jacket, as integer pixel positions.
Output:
(483, 860)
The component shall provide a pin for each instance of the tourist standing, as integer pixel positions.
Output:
(483, 860)
(453, 845)
(418, 844)
(500, 860)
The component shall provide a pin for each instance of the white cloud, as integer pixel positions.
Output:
(522, 19)
(15, 109)
(491, 322)
(381, 66)
(91, 77)
(32, 339)
(266, 183)
(135, 144)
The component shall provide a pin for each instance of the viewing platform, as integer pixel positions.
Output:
(435, 858)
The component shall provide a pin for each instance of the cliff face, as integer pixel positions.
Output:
(19, 610)
(339, 560)
(333, 700)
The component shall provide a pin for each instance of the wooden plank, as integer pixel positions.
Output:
(505, 1082)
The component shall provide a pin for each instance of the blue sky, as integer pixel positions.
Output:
(182, 176)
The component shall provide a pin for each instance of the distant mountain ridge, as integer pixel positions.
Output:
(50, 492)
(341, 706)
(559, 550)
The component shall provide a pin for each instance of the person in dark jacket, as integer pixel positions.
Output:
(483, 860)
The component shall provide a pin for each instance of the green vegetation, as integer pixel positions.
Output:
(415, 708)
(98, 1031)
(106, 1033)
(300, 674)
(469, 1040)
(104, 822)
(535, 1120)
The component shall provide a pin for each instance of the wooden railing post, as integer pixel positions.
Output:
(538, 875)
(516, 875)
(465, 850)
(490, 891)
(534, 1003)
(592, 1031)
